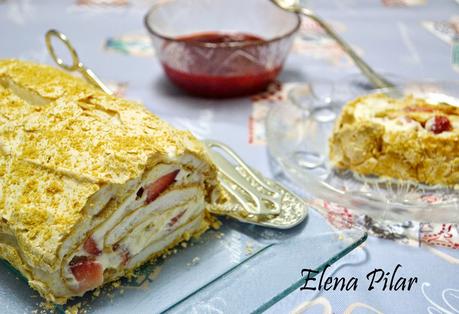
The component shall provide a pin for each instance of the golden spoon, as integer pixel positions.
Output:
(294, 6)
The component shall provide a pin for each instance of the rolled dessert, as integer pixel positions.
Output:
(407, 139)
(91, 186)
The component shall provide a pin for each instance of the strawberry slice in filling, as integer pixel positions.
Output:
(88, 273)
(90, 246)
(438, 124)
(156, 188)
(123, 252)
(175, 219)
(125, 257)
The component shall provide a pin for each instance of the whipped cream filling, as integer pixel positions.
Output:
(135, 224)
(95, 205)
(101, 199)
(173, 198)
(130, 204)
(165, 241)
(371, 108)
(152, 230)
(159, 225)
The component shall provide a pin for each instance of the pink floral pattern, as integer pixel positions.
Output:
(411, 232)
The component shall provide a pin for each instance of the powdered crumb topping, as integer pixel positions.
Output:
(60, 141)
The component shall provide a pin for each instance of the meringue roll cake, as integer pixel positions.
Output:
(91, 186)
(407, 139)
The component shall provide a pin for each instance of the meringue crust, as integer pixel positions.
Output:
(76, 165)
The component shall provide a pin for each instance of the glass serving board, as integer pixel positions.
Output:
(226, 269)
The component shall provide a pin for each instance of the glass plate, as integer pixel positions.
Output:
(297, 135)
(224, 270)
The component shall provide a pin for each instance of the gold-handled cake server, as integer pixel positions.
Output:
(253, 198)
(287, 209)
(247, 188)
(375, 79)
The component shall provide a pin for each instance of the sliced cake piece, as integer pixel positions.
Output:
(407, 139)
(91, 186)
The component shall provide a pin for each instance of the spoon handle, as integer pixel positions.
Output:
(376, 79)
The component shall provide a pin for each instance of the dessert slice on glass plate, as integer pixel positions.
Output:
(91, 186)
(409, 139)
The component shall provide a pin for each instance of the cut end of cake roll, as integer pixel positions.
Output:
(91, 186)
(407, 139)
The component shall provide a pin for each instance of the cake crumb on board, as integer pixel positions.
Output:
(194, 261)
(249, 248)
(74, 309)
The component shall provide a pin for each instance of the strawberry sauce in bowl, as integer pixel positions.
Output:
(221, 48)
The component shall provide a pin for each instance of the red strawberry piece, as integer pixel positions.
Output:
(81, 259)
(90, 246)
(156, 188)
(125, 257)
(124, 253)
(88, 272)
(176, 218)
(439, 124)
(418, 109)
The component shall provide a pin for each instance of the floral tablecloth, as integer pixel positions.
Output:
(408, 39)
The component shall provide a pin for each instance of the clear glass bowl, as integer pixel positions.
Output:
(297, 134)
(221, 69)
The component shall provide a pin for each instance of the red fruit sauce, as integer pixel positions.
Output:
(240, 77)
